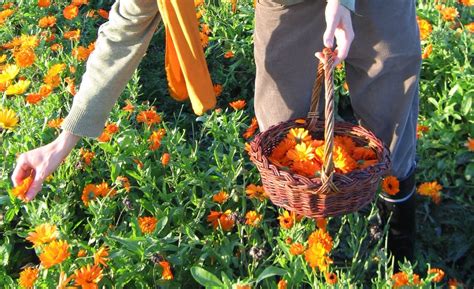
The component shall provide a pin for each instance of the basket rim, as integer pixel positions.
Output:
(298, 180)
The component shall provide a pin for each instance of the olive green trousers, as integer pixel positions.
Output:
(382, 68)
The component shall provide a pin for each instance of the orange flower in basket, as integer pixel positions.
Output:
(301, 153)
(363, 153)
(346, 142)
(298, 135)
(390, 185)
(279, 152)
(306, 168)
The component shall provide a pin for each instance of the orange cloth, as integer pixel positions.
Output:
(185, 63)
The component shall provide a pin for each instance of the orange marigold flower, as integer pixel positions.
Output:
(256, 192)
(100, 257)
(321, 223)
(103, 190)
(424, 27)
(125, 182)
(72, 34)
(301, 153)
(346, 142)
(81, 53)
(44, 3)
(391, 185)
(296, 249)
(321, 237)
(470, 144)
(306, 168)
(299, 135)
(56, 46)
(427, 52)
(204, 37)
(103, 13)
(282, 284)
(223, 218)
(129, 107)
(431, 189)
(104, 137)
(252, 218)
(24, 57)
(229, 54)
(449, 13)
(167, 274)
(88, 276)
(165, 159)
(55, 123)
(147, 224)
(198, 3)
(54, 253)
(34, 98)
(43, 234)
(316, 256)
(251, 129)
(238, 104)
(363, 153)
(71, 86)
(453, 284)
(89, 193)
(438, 273)
(205, 28)
(287, 220)
(79, 2)
(22, 188)
(243, 286)
(81, 253)
(149, 117)
(28, 277)
(70, 12)
(221, 197)
(331, 278)
(111, 128)
(47, 21)
(470, 27)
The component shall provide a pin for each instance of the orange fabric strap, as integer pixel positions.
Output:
(185, 63)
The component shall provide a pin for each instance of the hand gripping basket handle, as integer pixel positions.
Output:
(326, 73)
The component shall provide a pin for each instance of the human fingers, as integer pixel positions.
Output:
(37, 184)
(332, 20)
(344, 40)
(22, 170)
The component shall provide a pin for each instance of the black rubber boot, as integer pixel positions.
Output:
(402, 226)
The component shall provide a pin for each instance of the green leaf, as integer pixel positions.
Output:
(161, 224)
(205, 278)
(466, 105)
(269, 272)
(469, 172)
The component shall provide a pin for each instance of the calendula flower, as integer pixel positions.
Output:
(321, 237)
(8, 119)
(453, 284)
(81, 53)
(438, 273)
(427, 51)
(469, 144)
(165, 159)
(279, 152)
(79, 3)
(217, 89)
(331, 278)
(129, 107)
(306, 168)
(54, 253)
(89, 193)
(204, 37)
(251, 129)
(155, 140)
(149, 117)
(22, 188)
(18, 88)
(103, 13)
(282, 284)
(124, 182)
(431, 189)
(243, 286)
(47, 21)
(100, 257)
(55, 123)
(223, 218)
(72, 35)
(391, 185)
(104, 190)
(24, 57)
(287, 220)
(470, 27)
(347, 143)
(88, 276)
(5, 14)
(229, 54)
(238, 104)
(70, 12)
(466, 3)
(198, 3)
(104, 137)
(28, 277)
(43, 234)
(425, 28)
(167, 274)
(301, 153)
(44, 3)
(297, 249)
(299, 135)
(81, 253)
(316, 256)
(343, 162)
(9, 72)
(256, 192)
(221, 197)
(147, 224)
(252, 218)
(449, 13)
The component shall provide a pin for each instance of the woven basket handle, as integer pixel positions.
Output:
(326, 73)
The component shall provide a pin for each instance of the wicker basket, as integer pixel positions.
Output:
(332, 193)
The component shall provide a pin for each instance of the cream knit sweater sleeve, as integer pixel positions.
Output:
(119, 48)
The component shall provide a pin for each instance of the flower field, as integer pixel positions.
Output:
(167, 199)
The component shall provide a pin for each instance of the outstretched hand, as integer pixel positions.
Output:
(339, 27)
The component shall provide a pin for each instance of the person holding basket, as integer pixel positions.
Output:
(379, 42)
